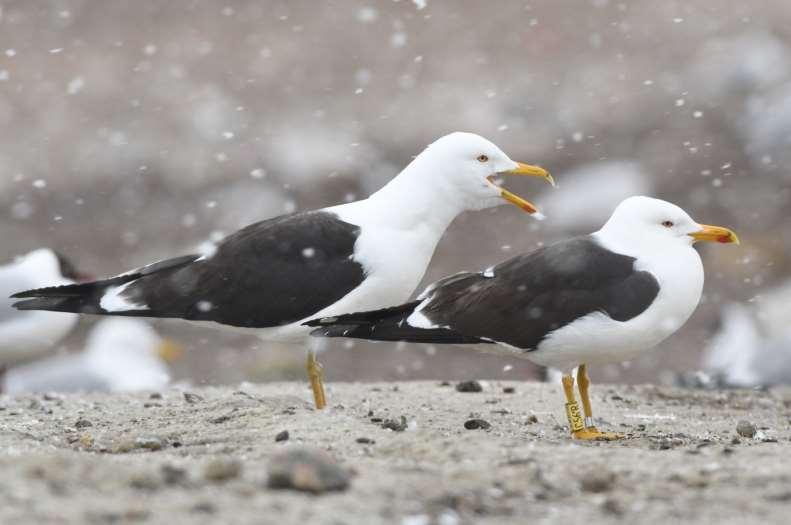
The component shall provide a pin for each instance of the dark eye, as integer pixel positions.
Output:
(483, 158)
(668, 224)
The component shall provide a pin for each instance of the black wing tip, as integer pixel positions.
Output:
(24, 294)
(19, 305)
(37, 303)
(64, 290)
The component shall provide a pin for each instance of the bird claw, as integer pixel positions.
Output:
(594, 434)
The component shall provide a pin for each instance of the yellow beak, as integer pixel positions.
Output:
(169, 351)
(522, 169)
(532, 171)
(715, 233)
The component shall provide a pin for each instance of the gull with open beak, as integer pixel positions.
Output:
(521, 169)
(272, 276)
(602, 298)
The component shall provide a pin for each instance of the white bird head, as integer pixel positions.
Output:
(653, 223)
(42, 261)
(465, 166)
(50, 264)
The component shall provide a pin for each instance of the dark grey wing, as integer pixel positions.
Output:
(525, 298)
(517, 302)
(268, 274)
(271, 273)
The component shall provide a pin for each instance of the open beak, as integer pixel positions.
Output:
(169, 351)
(522, 169)
(715, 233)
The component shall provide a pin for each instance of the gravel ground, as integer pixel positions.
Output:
(203, 456)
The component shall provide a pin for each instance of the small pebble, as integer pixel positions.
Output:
(144, 481)
(746, 429)
(779, 496)
(597, 481)
(307, 470)
(149, 442)
(474, 424)
(221, 469)
(282, 436)
(173, 475)
(666, 444)
(82, 423)
(469, 386)
(124, 446)
(531, 419)
(396, 425)
(696, 481)
(365, 441)
(191, 398)
(155, 395)
(509, 390)
(204, 507)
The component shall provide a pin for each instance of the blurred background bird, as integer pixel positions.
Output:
(752, 346)
(120, 355)
(28, 335)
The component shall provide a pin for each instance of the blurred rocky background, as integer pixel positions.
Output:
(133, 131)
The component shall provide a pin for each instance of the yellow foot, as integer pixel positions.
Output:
(594, 434)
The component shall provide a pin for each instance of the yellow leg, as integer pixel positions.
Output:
(583, 381)
(316, 381)
(572, 408)
(590, 431)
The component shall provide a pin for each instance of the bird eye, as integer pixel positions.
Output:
(667, 224)
(483, 158)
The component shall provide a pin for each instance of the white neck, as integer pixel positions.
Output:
(417, 198)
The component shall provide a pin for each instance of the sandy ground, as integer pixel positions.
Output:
(162, 458)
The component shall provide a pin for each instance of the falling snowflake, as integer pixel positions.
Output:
(75, 85)
(204, 306)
